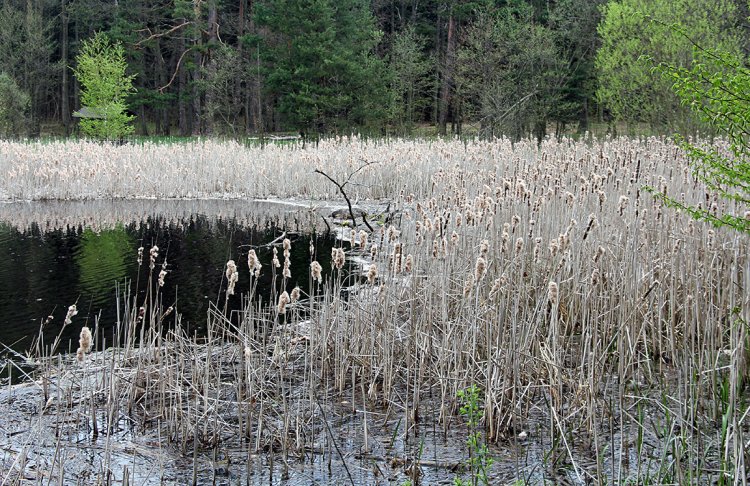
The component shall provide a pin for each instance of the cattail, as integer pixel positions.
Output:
(468, 285)
(252, 260)
(283, 301)
(232, 276)
(362, 239)
(396, 258)
(563, 241)
(409, 265)
(373, 251)
(497, 285)
(459, 220)
(435, 247)
(84, 343)
(484, 248)
(454, 238)
(552, 293)
(393, 233)
(480, 268)
(312, 248)
(623, 204)
(275, 261)
(519, 245)
(154, 253)
(339, 257)
(140, 256)
(72, 311)
(294, 296)
(598, 254)
(316, 271)
(162, 276)
(553, 247)
(287, 244)
(593, 223)
(287, 273)
(595, 276)
(372, 273)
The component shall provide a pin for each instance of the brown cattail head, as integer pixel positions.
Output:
(480, 268)
(484, 248)
(153, 255)
(283, 301)
(294, 296)
(232, 276)
(372, 273)
(339, 257)
(623, 204)
(72, 311)
(552, 293)
(84, 343)
(409, 265)
(316, 271)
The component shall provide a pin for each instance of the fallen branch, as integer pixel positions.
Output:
(346, 198)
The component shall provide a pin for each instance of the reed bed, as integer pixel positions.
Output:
(608, 333)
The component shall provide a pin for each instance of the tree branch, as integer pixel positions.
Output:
(346, 198)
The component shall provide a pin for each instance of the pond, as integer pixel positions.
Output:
(63, 253)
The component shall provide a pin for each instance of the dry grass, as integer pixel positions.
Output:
(608, 332)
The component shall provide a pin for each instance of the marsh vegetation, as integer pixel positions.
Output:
(607, 333)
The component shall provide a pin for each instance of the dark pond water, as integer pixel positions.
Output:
(58, 254)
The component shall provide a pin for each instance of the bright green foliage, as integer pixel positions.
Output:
(101, 70)
(480, 461)
(14, 108)
(634, 32)
(718, 94)
(322, 70)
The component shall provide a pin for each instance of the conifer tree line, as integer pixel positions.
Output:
(496, 67)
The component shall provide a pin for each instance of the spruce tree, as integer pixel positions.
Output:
(321, 67)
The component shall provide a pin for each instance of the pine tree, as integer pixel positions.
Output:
(321, 68)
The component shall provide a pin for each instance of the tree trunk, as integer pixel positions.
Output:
(162, 123)
(238, 87)
(65, 91)
(197, 58)
(183, 119)
(446, 85)
(213, 27)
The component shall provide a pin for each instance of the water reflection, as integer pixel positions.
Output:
(57, 254)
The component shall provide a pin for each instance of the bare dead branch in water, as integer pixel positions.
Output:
(343, 193)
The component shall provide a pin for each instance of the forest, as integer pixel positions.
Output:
(513, 68)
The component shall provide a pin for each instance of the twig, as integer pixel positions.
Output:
(157, 35)
(328, 428)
